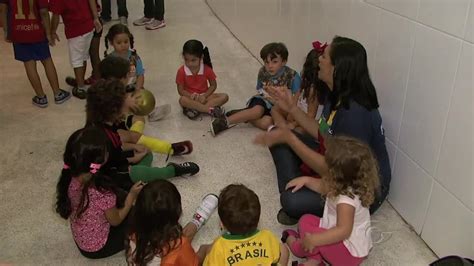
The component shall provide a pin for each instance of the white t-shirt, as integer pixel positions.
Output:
(359, 242)
(302, 103)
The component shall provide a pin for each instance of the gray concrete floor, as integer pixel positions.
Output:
(33, 140)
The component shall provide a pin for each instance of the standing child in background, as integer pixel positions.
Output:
(80, 19)
(273, 73)
(27, 25)
(242, 243)
(95, 207)
(156, 236)
(196, 95)
(342, 235)
(312, 93)
(129, 159)
(94, 57)
(121, 39)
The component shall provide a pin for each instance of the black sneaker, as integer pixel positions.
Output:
(182, 148)
(41, 102)
(218, 125)
(232, 112)
(62, 96)
(285, 219)
(71, 81)
(217, 112)
(191, 113)
(185, 169)
(79, 93)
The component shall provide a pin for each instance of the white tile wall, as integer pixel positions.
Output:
(446, 15)
(434, 63)
(410, 190)
(420, 58)
(469, 33)
(392, 64)
(457, 175)
(451, 235)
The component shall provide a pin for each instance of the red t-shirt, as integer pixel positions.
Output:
(195, 83)
(24, 21)
(76, 14)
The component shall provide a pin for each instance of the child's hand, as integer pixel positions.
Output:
(297, 183)
(97, 25)
(136, 188)
(52, 39)
(201, 98)
(194, 96)
(5, 36)
(308, 242)
(275, 136)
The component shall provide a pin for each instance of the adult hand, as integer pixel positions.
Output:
(282, 97)
(275, 136)
(297, 183)
(308, 242)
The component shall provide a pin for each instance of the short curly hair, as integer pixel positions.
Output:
(353, 170)
(239, 209)
(104, 101)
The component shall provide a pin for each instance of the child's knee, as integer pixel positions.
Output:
(225, 97)
(183, 100)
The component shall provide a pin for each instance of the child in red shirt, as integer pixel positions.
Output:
(192, 81)
(80, 19)
(26, 24)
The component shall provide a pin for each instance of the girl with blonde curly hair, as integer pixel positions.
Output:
(342, 235)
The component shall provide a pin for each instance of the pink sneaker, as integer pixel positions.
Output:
(156, 24)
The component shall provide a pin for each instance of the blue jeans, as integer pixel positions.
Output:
(304, 201)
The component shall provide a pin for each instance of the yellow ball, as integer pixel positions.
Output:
(146, 102)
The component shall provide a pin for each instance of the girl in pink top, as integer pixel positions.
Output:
(94, 206)
(342, 235)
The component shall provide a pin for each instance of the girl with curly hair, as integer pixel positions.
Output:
(342, 235)
(129, 161)
(156, 236)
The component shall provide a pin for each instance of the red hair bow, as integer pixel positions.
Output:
(318, 46)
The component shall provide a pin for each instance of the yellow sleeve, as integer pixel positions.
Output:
(216, 255)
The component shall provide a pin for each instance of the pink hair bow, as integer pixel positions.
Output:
(95, 167)
(65, 166)
(318, 46)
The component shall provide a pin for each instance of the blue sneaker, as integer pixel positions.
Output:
(62, 96)
(41, 102)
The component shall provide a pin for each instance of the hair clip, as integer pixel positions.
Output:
(65, 166)
(318, 46)
(95, 167)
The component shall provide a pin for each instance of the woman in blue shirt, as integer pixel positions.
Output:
(351, 109)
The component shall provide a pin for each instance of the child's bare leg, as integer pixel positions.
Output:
(79, 73)
(51, 74)
(216, 99)
(94, 57)
(203, 251)
(137, 118)
(263, 123)
(190, 231)
(246, 115)
(33, 77)
(278, 116)
(187, 102)
(129, 136)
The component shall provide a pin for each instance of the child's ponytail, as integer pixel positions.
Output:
(206, 57)
(63, 203)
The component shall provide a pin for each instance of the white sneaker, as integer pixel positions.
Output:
(159, 112)
(205, 209)
(123, 20)
(156, 24)
(143, 21)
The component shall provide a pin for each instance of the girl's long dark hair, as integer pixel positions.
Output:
(309, 78)
(196, 48)
(84, 146)
(104, 101)
(351, 75)
(115, 30)
(155, 222)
